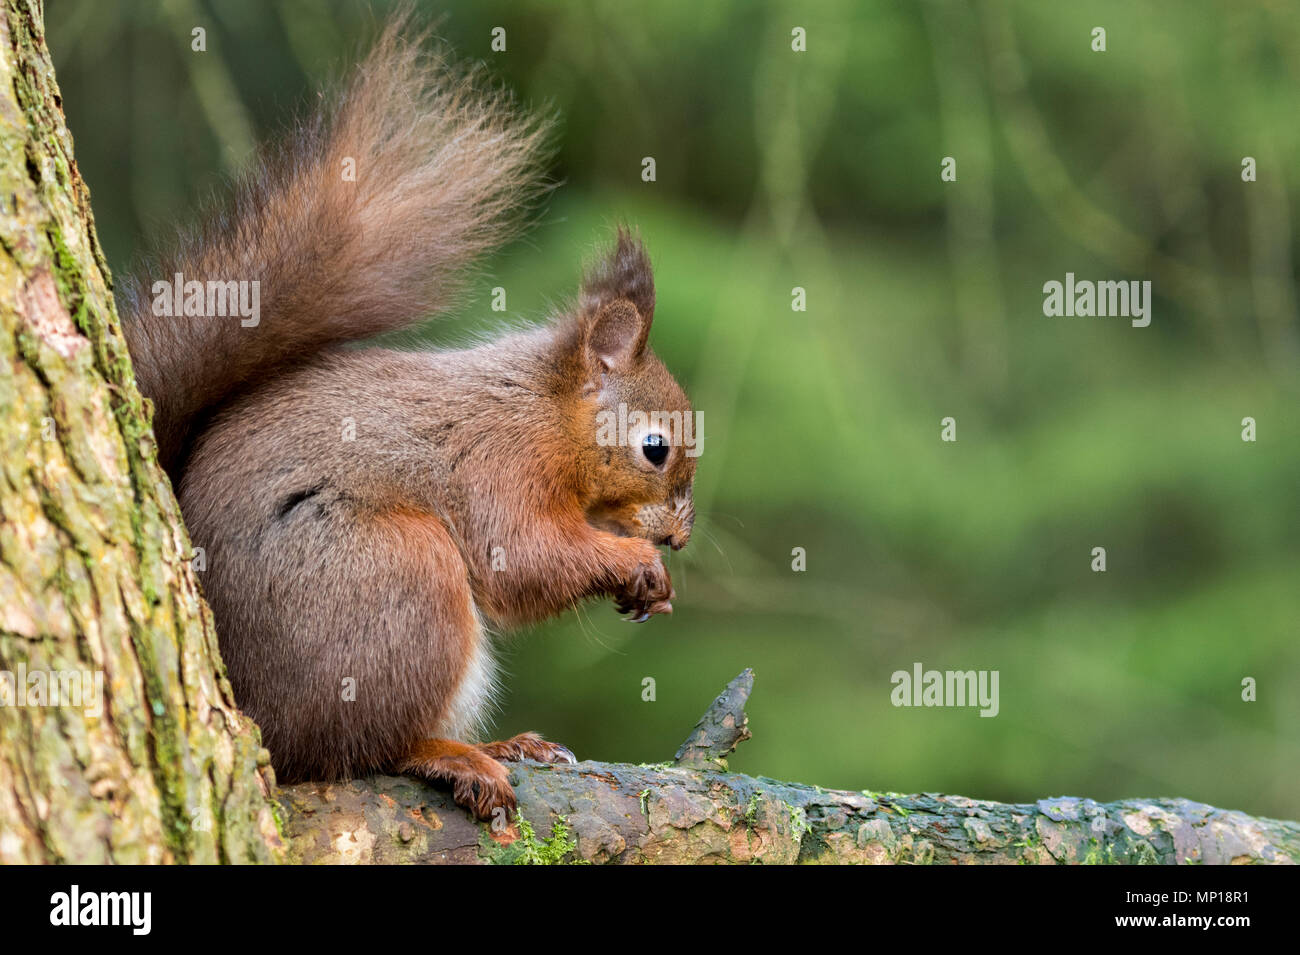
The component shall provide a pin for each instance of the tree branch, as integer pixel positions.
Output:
(617, 812)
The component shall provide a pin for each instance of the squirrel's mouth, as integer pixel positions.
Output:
(676, 540)
(605, 521)
(647, 523)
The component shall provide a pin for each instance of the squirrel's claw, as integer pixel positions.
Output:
(659, 606)
(528, 746)
(648, 592)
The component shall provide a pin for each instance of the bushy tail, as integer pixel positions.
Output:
(445, 170)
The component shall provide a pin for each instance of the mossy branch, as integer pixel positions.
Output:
(616, 812)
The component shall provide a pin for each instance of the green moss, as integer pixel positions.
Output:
(117, 556)
(1033, 850)
(1099, 855)
(798, 822)
(1142, 853)
(529, 850)
(751, 809)
(887, 801)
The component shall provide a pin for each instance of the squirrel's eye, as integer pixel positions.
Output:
(655, 447)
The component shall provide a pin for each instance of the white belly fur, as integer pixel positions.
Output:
(467, 716)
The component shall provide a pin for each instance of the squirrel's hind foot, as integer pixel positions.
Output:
(478, 780)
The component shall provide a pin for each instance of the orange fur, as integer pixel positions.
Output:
(367, 511)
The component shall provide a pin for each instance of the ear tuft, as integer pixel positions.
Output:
(624, 273)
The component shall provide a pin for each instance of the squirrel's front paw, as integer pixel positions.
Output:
(528, 746)
(648, 591)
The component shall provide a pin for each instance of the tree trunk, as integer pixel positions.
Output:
(121, 741)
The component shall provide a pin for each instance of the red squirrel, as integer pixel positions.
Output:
(371, 517)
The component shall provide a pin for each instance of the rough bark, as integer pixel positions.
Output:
(614, 812)
(723, 727)
(94, 575)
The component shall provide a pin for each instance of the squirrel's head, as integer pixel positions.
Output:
(643, 439)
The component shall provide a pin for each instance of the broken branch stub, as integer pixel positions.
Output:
(723, 725)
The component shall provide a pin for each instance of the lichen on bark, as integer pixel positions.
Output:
(694, 814)
(94, 574)
(620, 813)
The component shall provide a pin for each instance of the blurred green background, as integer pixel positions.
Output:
(821, 170)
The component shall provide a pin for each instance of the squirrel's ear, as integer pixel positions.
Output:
(618, 303)
(616, 335)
